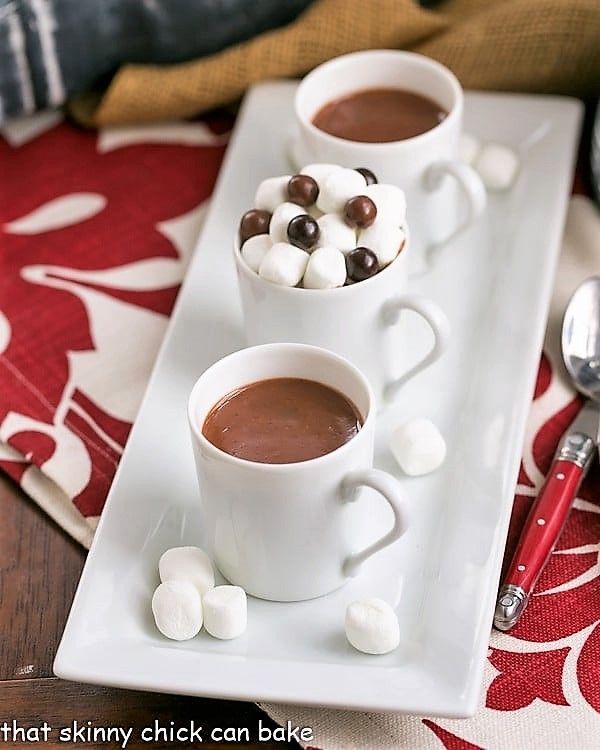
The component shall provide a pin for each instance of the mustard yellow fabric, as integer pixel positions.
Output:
(550, 46)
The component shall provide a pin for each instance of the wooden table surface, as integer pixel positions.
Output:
(39, 569)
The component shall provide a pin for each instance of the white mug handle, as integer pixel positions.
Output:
(471, 187)
(437, 321)
(389, 488)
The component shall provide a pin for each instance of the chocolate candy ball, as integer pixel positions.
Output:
(360, 211)
(367, 174)
(302, 190)
(303, 231)
(254, 222)
(361, 264)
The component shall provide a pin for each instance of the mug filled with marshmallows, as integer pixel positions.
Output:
(326, 252)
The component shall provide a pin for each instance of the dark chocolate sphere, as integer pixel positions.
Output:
(302, 190)
(254, 222)
(367, 174)
(303, 231)
(361, 264)
(360, 211)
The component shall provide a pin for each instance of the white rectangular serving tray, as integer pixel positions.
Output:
(495, 286)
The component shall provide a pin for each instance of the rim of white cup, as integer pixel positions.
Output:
(346, 289)
(343, 60)
(257, 465)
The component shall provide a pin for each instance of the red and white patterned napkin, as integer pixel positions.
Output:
(96, 230)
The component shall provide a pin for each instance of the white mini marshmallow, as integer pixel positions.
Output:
(384, 238)
(284, 264)
(270, 193)
(187, 564)
(225, 612)
(497, 166)
(390, 202)
(326, 269)
(280, 219)
(372, 626)
(319, 172)
(338, 187)
(418, 446)
(177, 609)
(334, 232)
(468, 148)
(254, 250)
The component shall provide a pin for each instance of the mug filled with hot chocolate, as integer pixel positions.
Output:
(322, 259)
(401, 114)
(283, 442)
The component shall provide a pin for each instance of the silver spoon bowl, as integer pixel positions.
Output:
(581, 338)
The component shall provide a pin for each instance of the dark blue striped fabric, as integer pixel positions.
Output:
(52, 49)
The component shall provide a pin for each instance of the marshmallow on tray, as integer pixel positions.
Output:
(418, 446)
(372, 626)
(468, 148)
(271, 193)
(384, 238)
(254, 250)
(338, 187)
(334, 232)
(189, 564)
(326, 269)
(497, 166)
(225, 612)
(177, 609)
(284, 264)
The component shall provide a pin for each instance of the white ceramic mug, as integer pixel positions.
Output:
(419, 165)
(358, 322)
(288, 532)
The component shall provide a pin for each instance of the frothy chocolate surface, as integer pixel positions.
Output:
(379, 115)
(282, 420)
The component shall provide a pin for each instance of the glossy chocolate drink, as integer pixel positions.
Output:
(379, 115)
(281, 421)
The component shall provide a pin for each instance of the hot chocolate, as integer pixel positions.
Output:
(379, 115)
(281, 420)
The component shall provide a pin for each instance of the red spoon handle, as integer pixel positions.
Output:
(544, 524)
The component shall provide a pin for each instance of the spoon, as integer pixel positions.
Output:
(581, 338)
(581, 354)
